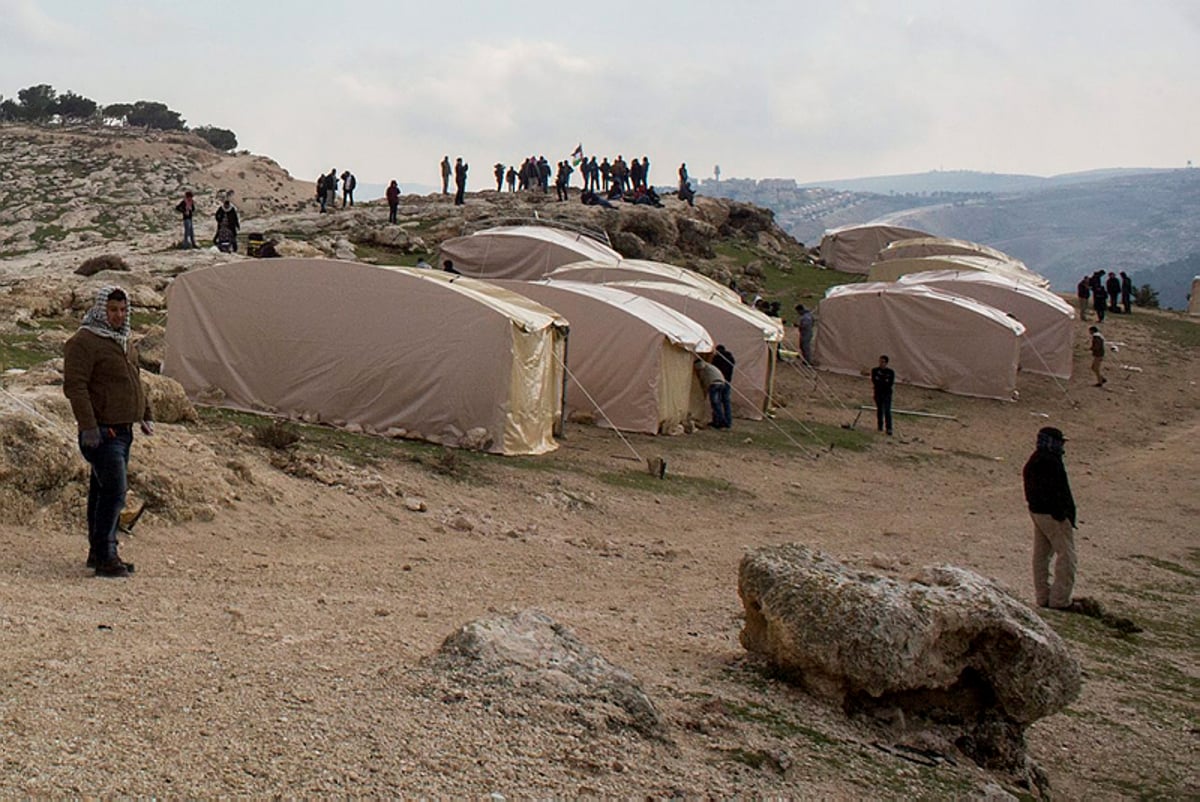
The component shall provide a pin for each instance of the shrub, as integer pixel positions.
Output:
(107, 261)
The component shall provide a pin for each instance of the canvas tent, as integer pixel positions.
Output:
(940, 246)
(594, 272)
(522, 252)
(444, 358)
(1047, 346)
(933, 338)
(752, 337)
(630, 358)
(895, 268)
(1194, 297)
(852, 249)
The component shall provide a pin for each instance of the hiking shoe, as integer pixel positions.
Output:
(116, 568)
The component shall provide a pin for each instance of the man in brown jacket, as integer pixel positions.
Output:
(102, 381)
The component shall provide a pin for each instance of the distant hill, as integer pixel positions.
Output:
(1128, 219)
(1172, 280)
(970, 181)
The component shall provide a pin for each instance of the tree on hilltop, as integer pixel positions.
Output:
(38, 103)
(219, 138)
(152, 114)
(118, 111)
(73, 107)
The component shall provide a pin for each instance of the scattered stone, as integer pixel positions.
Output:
(531, 654)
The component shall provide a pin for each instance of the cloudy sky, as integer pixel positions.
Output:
(797, 89)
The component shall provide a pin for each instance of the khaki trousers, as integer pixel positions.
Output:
(1097, 364)
(1053, 538)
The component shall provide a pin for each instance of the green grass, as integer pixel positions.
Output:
(787, 435)
(48, 232)
(379, 255)
(804, 283)
(1176, 329)
(24, 351)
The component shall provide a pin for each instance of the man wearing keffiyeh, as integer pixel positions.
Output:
(102, 381)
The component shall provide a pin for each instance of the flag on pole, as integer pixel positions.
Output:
(577, 154)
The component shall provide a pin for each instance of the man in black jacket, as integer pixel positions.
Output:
(1052, 508)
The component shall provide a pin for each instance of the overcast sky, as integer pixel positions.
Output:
(796, 89)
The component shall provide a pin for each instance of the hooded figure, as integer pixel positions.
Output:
(102, 382)
(1052, 508)
(227, 226)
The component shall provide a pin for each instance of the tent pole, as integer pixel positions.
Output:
(916, 414)
(561, 427)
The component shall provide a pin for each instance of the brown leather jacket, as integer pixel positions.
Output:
(103, 384)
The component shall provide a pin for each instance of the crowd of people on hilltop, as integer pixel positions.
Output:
(603, 181)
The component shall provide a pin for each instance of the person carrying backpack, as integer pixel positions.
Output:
(349, 182)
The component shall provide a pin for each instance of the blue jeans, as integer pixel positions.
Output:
(720, 397)
(189, 233)
(107, 488)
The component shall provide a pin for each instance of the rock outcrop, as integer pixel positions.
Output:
(532, 655)
(949, 649)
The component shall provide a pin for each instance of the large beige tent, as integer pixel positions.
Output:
(933, 339)
(895, 268)
(940, 246)
(752, 337)
(522, 252)
(1194, 297)
(594, 272)
(852, 249)
(442, 357)
(630, 358)
(1047, 346)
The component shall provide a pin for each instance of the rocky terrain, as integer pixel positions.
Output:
(316, 613)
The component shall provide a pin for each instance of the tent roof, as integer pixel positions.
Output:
(772, 328)
(676, 327)
(936, 246)
(522, 252)
(923, 291)
(640, 270)
(1019, 286)
(895, 268)
(853, 248)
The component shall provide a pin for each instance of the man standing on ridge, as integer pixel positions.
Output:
(187, 208)
(1083, 291)
(460, 180)
(331, 187)
(446, 175)
(1097, 346)
(103, 383)
(1127, 293)
(883, 379)
(393, 200)
(1052, 507)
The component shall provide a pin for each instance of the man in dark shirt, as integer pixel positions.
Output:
(1126, 293)
(724, 360)
(882, 379)
(1052, 508)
